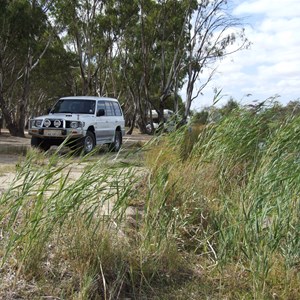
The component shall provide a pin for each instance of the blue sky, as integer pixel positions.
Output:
(271, 66)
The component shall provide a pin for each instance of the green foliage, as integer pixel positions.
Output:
(24, 22)
(25, 37)
(229, 107)
(215, 211)
(53, 78)
(200, 117)
(234, 187)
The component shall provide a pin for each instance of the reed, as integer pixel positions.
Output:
(207, 211)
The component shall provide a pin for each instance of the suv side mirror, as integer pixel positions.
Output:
(100, 112)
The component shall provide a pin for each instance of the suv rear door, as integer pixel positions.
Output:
(111, 119)
(102, 125)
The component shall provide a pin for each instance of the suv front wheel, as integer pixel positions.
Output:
(40, 143)
(88, 142)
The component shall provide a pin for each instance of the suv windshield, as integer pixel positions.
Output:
(74, 106)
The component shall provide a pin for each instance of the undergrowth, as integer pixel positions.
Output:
(212, 212)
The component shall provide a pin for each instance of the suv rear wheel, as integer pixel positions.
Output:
(116, 145)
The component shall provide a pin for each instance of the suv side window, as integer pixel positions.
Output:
(101, 105)
(117, 109)
(109, 109)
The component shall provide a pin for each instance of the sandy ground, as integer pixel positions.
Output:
(13, 151)
(9, 159)
(7, 170)
(13, 148)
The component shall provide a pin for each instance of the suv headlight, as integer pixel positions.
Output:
(37, 123)
(75, 124)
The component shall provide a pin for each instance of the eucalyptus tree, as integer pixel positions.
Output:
(142, 50)
(157, 55)
(213, 34)
(144, 57)
(172, 35)
(128, 65)
(79, 22)
(171, 41)
(25, 35)
(132, 49)
(92, 30)
(54, 77)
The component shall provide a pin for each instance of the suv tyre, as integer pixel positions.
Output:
(116, 145)
(88, 143)
(40, 143)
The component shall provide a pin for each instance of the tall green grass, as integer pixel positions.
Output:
(235, 188)
(85, 231)
(213, 212)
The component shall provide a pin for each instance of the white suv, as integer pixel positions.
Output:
(86, 121)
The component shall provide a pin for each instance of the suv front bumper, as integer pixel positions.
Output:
(56, 133)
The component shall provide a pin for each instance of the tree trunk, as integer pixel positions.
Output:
(132, 125)
(24, 100)
(142, 125)
(188, 102)
(7, 117)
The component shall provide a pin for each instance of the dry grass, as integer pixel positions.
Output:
(205, 212)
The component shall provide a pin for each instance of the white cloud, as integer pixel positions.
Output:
(272, 64)
(270, 8)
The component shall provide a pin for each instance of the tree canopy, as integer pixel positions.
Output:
(140, 51)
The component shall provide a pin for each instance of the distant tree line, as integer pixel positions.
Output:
(272, 111)
(140, 51)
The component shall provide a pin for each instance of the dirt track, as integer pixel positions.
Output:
(11, 147)
(13, 150)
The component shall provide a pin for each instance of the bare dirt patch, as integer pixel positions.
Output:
(13, 151)
(8, 164)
